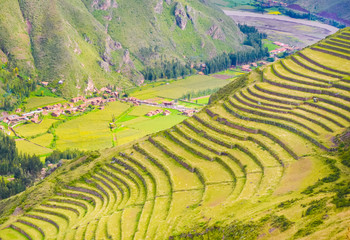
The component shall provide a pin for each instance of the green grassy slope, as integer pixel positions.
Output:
(89, 44)
(267, 159)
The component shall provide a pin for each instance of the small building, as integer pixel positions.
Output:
(35, 119)
(2, 128)
(56, 113)
(45, 83)
(101, 107)
(166, 113)
(18, 110)
(48, 108)
(167, 103)
(254, 64)
(188, 112)
(77, 99)
(150, 114)
(70, 111)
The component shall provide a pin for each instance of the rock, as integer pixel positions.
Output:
(159, 7)
(191, 13)
(113, 45)
(104, 4)
(216, 33)
(180, 16)
(104, 65)
(127, 60)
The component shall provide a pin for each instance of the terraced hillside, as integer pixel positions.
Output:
(263, 153)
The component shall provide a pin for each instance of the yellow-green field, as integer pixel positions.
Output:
(90, 131)
(177, 89)
(32, 129)
(35, 102)
(26, 147)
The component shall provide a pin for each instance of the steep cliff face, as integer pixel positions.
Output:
(108, 41)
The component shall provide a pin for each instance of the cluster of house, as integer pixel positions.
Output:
(189, 112)
(13, 119)
(158, 111)
(272, 3)
(248, 67)
(59, 109)
(283, 48)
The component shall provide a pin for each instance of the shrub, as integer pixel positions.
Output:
(281, 222)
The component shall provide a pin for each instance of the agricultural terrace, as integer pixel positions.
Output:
(259, 154)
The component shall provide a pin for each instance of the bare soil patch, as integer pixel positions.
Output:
(219, 76)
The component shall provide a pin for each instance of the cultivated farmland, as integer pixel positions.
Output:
(261, 158)
(177, 89)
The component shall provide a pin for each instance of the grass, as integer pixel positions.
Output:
(43, 140)
(202, 100)
(270, 45)
(26, 147)
(90, 131)
(36, 102)
(177, 89)
(32, 129)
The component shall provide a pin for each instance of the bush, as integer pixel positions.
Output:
(281, 222)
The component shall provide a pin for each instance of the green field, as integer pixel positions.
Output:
(35, 102)
(26, 147)
(269, 44)
(177, 89)
(90, 131)
(202, 100)
(32, 129)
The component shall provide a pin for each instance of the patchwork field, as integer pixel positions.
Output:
(26, 147)
(260, 162)
(35, 102)
(177, 89)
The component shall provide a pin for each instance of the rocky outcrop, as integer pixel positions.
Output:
(128, 69)
(159, 7)
(127, 60)
(191, 14)
(180, 16)
(104, 65)
(104, 4)
(111, 46)
(216, 33)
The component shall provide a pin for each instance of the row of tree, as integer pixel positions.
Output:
(57, 155)
(255, 52)
(167, 69)
(24, 168)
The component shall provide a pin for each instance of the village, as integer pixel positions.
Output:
(81, 103)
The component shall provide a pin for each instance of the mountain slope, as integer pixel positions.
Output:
(87, 43)
(268, 158)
